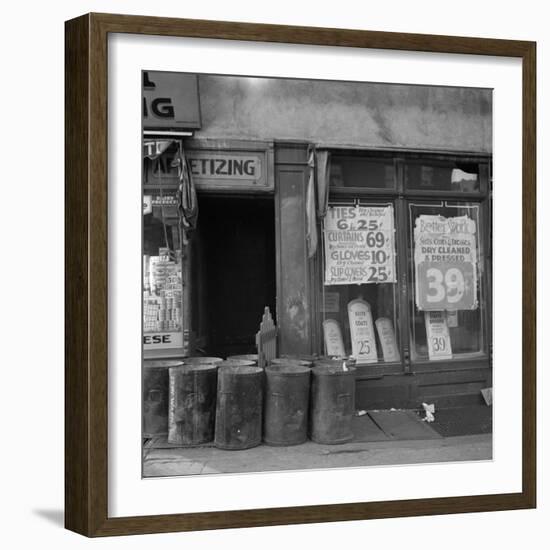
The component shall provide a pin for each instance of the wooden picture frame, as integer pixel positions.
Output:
(86, 281)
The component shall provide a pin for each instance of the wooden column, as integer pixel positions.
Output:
(293, 278)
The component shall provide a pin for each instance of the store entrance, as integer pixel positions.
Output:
(234, 272)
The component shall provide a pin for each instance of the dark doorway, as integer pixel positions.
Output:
(234, 272)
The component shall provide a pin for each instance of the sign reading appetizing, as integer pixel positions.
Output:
(228, 169)
(359, 245)
(445, 258)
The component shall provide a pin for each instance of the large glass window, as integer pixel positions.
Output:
(447, 270)
(405, 272)
(359, 305)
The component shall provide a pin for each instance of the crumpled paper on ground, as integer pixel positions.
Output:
(430, 412)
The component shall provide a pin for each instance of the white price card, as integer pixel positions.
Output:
(437, 334)
(334, 343)
(363, 340)
(386, 335)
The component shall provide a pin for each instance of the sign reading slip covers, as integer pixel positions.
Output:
(363, 341)
(359, 245)
(445, 259)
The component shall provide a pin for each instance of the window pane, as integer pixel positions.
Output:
(447, 270)
(442, 176)
(361, 172)
(358, 301)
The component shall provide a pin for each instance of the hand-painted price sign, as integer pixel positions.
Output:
(363, 341)
(445, 257)
(437, 334)
(359, 245)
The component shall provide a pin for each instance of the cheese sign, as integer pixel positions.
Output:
(359, 245)
(386, 335)
(445, 258)
(437, 334)
(334, 343)
(363, 340)
(162, 340)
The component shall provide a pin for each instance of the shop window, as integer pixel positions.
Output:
(447, 274)
(358, 294)
(360, 172)
(457, 177)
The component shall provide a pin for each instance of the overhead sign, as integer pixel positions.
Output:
(437, 333)
(363, 341)
(170, 101)
(334, 343)
(386, 335)
(359, 245)
(242, 169)
(214, 170)
(445, 258)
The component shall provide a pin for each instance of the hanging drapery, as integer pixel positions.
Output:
(187, 197)
(311, 213)
(317, 187)
(323, 181)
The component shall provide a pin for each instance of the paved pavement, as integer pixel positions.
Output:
(209, 460)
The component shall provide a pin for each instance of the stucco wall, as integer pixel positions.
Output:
(346, 113)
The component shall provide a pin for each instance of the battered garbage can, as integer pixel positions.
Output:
(155, 397)
(192, 408)
(239, 407)
(286, 404)
(332, 404)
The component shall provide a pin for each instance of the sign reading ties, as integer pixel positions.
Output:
(363, 341)
(445, 258)
(359, 245)
(334, 343)
(437, 333)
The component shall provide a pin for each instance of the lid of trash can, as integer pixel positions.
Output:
(288, 369)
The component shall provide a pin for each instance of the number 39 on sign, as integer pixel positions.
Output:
(445, 286)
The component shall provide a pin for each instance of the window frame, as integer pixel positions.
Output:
(400, 196)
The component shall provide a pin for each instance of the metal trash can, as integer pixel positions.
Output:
(239, 407)
(332, 404)
(192, 404)
(155, 397)
(246, 357)
(286, 404)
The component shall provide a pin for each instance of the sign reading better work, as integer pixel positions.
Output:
(359, 245)
(445, 258)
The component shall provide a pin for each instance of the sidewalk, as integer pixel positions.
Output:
(371, 447)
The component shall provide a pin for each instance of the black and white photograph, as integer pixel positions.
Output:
(316, 274)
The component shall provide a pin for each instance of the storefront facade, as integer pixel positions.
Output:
(315, 199)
